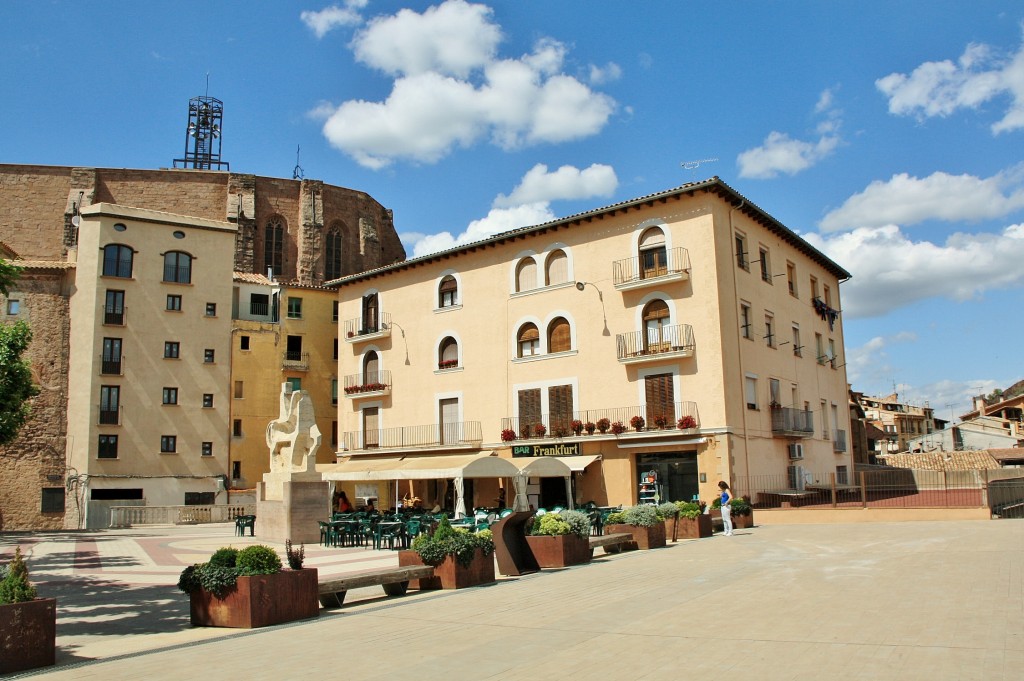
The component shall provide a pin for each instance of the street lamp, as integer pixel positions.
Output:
(580, 285)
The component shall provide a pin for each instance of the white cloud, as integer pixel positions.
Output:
(870, 362)
(939, 88)
(891, 271)
(527, 204)
(568, 182)
(450, 90)
(780, 153)
(600, 75)
(454, 38)
(330, 18)
(907, 200)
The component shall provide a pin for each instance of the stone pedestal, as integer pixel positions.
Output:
(296, 515)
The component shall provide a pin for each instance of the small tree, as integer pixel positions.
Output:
(8, 275)
(16, 385)
(15, 587)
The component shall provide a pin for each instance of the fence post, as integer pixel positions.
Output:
(984, 491)
(863, 491)
(832, 482)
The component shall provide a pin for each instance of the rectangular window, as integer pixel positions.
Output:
(294, 308)
(774, 393)
(798, 350)
(791, 279)
(334, 311)
(13, 307)
(110, 405)
(211, 309)
(828, 295)
(200, 498)
(448, 416)
(168, 444)
(52, 500)
(334, 433)
(335, 348)
(560, 409)
(334, 391)
(207, 400)
(814, 287)
(371, 427)
(236, 470)
(741, 252)
(832, 352)
(243, 342)
(111, 363)
(842, 476)
(236, 428)
(207, 449)
(238, 390)
(824, 420)
(107, 447)
(170, 395)
(171, 349)
(745, 320)
(766, 266)
(769, 330)
(113, 308)
(295, 383)
(174, 303)
(750, 385)
(819, 348)
(208, 355)
(259, 305)
(293, 348)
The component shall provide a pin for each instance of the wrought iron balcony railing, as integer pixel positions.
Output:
(460, 434)
(789, 422)
(111, 366)
(649, 344)
(677, 416)
(367, 384)
(295, 360)
(365, 328)
(110, 416)
(633, 272)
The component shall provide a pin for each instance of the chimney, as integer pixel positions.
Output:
(979, 405)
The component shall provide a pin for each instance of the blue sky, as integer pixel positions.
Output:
(888, 134)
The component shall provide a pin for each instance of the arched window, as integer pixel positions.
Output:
(178, 267)
(656, 323)
(526, 275)
(117, 260)
(332, 254)
(448, 292)
(557, 268)
(528, 340)
(559, 335)
(653, 258)
(448, 354)
(273, 245)
(371, 368)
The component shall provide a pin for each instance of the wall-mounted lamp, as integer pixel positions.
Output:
(395, 324)
(580, 285)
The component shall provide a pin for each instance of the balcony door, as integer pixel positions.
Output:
(660, 398)
(656, 323)
(653, 258)
(371, 323)
(448, 416)
(371, 427)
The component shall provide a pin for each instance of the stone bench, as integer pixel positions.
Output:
(395, 581)
(612, 543)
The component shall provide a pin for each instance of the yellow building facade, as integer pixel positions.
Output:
(702, 336)
(149, 363)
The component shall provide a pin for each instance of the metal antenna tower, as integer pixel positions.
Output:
(202, 134)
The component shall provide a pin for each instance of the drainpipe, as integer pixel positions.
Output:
(743, 375)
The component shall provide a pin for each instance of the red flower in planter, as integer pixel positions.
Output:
(637, 422)
(508, 435)
(687, 422)
(618, 428)
(603, 424)
(540, 429)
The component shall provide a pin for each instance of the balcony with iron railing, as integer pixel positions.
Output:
(111, 366)
(108, 416)
(367, 384)
(114, 316)
(650, 345)
(367, 328)
(460, 435)
(838, 441)
(789, 422)
(177, 274)
(295, 360)
(651, 269)
(676, 418)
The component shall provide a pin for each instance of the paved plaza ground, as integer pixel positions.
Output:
(873, 601)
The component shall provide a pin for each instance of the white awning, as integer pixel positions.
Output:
(420, 467)
(577, 463)
(543, 467)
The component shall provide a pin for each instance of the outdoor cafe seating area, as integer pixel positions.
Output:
(396, 529)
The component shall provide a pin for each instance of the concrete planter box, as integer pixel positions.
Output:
(28, 632)
(259, 601)
(644, 537)
(449, 574)
(559, 551)
(690, 528)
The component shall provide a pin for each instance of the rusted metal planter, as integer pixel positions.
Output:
(652, 537)
(449, 574)
(691, 528)
(559, 551)
(259, 601)
(28, 633)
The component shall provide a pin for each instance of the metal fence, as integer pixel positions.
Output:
(888, 488)
(129, 516)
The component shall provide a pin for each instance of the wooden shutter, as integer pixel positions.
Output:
(660, 398)
(449, 416)
(371, 369)
(558, 268)
(656, 309)
(559, 336)
(526, 275)
(560, 409)
(529, 411)
(371, 428)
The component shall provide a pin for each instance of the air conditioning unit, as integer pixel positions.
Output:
(796, 451)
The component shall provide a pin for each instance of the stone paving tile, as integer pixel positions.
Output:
(927, 600)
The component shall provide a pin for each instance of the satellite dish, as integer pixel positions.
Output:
(75, 221)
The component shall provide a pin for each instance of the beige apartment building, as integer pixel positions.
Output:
(148, 398)
(901, 422)
(698, 333)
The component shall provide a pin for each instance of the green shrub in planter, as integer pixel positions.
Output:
(15, 587)
(643, 515)
(688, 509)
(226, 557)
(550, 525)
(579, 522)
(667, 509)
(220, 574)
(258, 560)
(448, 541)
(740, 506)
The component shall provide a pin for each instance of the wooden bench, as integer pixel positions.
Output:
(612, 543)
(395, 581)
